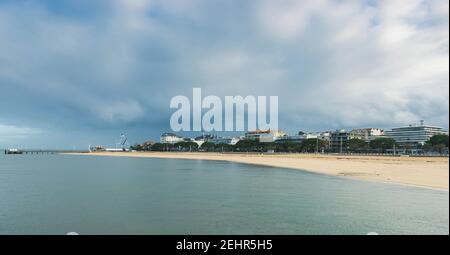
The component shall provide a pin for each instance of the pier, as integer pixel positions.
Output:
(42, 151)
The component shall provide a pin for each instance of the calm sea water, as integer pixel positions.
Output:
(56, 194)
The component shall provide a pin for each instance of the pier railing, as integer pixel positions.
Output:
(41, 151)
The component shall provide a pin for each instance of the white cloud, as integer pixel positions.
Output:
(9, 133)
(285, 19)
(332, 63)
(225, 62)
(121, 111)
(386, 64)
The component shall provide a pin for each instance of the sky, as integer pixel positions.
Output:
(80, 72)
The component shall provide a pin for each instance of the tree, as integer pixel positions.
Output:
(437, 143)
(224, 147)
(136, 147)
(147, 146)
(357, 145)
(186, 146)
(382, 144)
(208, 146)
(270, 146)
(439, 140)
(288, 146)
(313, 145)
(159, 147)
(246, 145)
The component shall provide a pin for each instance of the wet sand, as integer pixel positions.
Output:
(427, 172)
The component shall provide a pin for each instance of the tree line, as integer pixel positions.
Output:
(437, 143)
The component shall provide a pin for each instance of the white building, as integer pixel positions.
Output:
(290, 138)
(226, 140)
(265, 136)
(171, 138)
(414, 134)
(310, 136)
(367, 134)
(325, 136)
(199, 142)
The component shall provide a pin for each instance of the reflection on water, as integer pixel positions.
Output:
(57, 194)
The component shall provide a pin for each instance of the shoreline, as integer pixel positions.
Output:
(423, 172)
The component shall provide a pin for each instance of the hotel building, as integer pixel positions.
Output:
(264, 136)
(338, 139)
(414, 134)
(324, 136)
(171, 138)
(226, 140)
(215, 139)
(367, 134)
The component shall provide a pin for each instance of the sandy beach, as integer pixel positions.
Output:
(427, 172)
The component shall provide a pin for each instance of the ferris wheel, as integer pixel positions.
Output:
(122, 142)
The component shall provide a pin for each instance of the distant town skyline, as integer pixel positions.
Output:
(74, 73)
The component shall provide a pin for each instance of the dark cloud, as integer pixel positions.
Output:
(80, 72)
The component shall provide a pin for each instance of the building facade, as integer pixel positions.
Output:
(367, 134)
(171, 138)
(339, 138)
(324, 136)
(414, 134)
(226, 140)
(290, 138)
(264, 136)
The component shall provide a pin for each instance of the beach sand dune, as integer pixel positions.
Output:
(427, 172)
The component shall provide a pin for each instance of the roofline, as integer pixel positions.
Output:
(418, 126)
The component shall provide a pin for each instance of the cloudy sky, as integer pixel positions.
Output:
(80, 72)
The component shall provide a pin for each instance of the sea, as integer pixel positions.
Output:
(59, 194)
